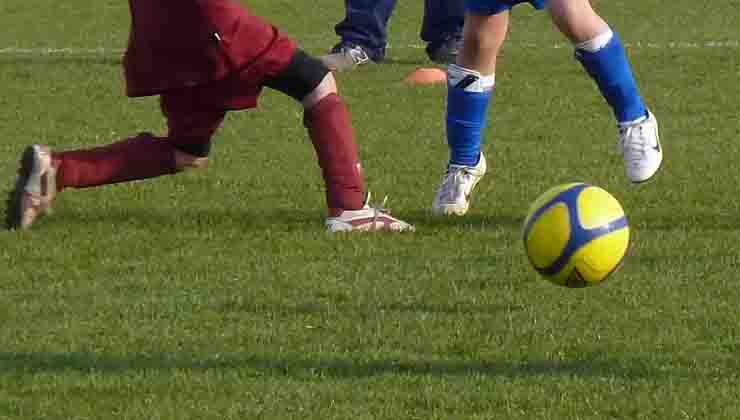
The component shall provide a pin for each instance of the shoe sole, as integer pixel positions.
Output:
(15, 197)
(650, 178)
(646, 180)
(31, 157)
(339, 67)
(340, 227)
(338, 62)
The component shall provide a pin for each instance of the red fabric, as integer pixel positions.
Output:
(193, 116)
(188, 122)
(237, 91)
(330, 128)
(185, 43)
(143, 156)
(140, 157)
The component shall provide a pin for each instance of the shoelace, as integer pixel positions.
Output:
(448, 185)
(379, 211)
(450, 182)
(634, 145)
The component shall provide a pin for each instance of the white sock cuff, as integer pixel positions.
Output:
(469, 80)
(596, 43)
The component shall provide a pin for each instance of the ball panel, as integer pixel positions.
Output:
(545, 198)
(599, 258)
(568, 276)
(597, 208)
(562, 277)
(548, 236)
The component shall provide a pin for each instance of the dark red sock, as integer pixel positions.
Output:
(330, 128)
(140, 157)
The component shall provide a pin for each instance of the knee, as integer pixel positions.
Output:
(484, 35)
(190, 154)
(577, 20)
(305, 79)
(185, 161)
(483, 44)
(327, 86)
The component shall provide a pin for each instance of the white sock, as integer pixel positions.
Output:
(596, 43)
(478, 82)
(633, 122)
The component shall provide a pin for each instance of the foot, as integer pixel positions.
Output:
(367, 219)
(453, 196)
(35, 188)
(345, 56)
(640, 147)
(445, 51)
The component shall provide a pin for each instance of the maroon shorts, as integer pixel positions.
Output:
(239, 90)
(195, 113)
(175, 44)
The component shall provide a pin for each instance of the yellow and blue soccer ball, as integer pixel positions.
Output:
(576, 235)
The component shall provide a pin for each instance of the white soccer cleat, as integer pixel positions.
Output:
(367, 219)
(640, 147)
(35, 188)
(453, 196)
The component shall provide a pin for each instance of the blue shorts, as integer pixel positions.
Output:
(493, 7)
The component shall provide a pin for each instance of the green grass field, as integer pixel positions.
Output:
(218, 295)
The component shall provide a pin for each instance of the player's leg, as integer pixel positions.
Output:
(362, 33)
(329, 126)
(43, 173)
(602, 54)
(186, 146)
(442, 29)
(469, 90)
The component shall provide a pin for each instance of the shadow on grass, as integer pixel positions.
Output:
(471, 220)
(589, 366)
(164, 219)
(296, 219)
(160, 219)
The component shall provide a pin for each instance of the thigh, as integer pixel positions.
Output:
(242, 88)
(191, 120)
(483, 37)
(492, 7)
(576, 19)
(238, 90)
(195, 113)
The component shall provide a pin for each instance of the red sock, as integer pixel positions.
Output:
(330, 128)
(140, 157)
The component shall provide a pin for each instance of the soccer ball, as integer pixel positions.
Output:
(576, 235)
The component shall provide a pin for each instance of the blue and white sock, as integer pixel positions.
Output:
(606, 62)
(468, 94)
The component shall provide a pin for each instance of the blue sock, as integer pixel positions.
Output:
(611, 71)
(468, 94)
